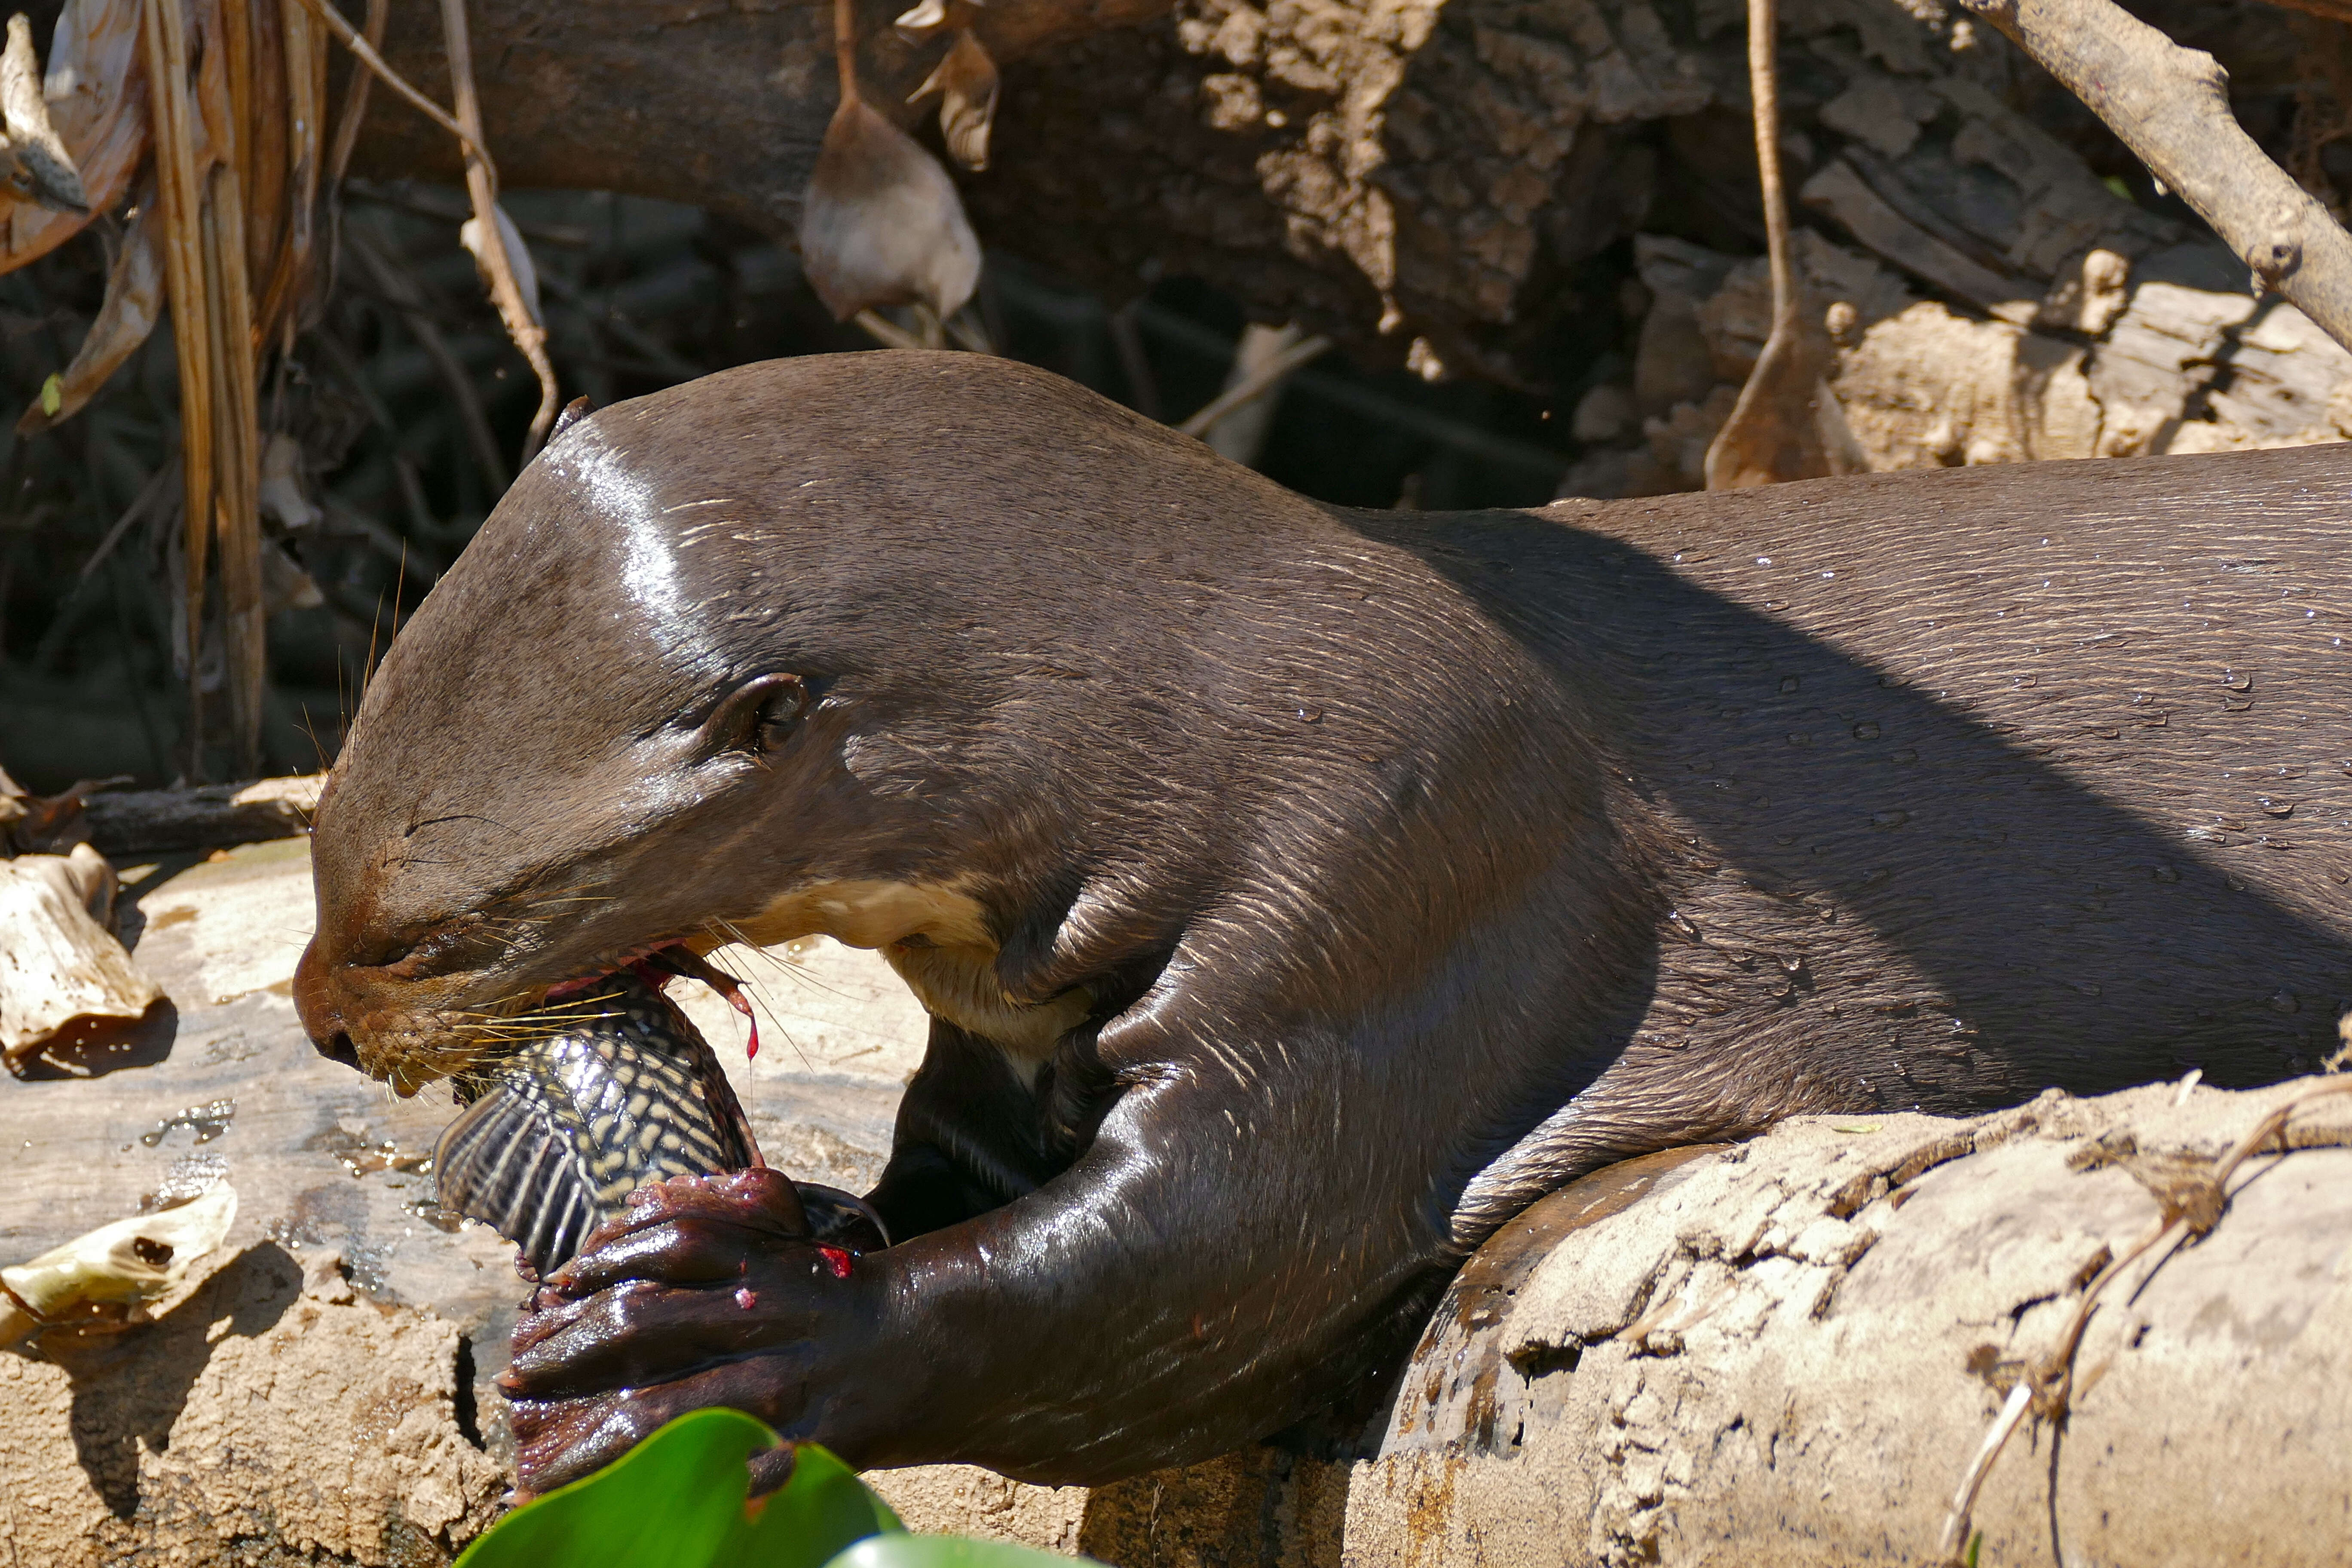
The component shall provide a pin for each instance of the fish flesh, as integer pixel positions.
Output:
(620, 1091)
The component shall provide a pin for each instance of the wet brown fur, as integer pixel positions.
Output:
(1400, 865)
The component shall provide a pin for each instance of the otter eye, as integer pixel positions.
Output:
(759, 716)
(780, 712)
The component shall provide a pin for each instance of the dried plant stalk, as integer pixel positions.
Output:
(236, 462)
(104, 122)
(43, 169)
(1787, 424)
(134, 299)
(305, 60)
(179, 200)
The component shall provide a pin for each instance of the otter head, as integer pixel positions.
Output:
(732, 662)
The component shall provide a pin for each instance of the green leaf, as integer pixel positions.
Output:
(678, 1501)
(947, 1552)
(805, 1524)
(53, 396)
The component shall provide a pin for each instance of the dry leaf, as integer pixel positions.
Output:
(134, 299)
(469, 235)
(284, 585)
(882, 224)
(282, 493)
(918, 25)
(96, 94)
(967, 81)
(65, 982)
(37, 152)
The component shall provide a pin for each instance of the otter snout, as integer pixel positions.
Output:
(316, 1004)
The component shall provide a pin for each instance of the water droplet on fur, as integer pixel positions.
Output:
(1866, 731)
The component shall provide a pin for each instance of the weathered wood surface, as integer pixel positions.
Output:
(1762, 1352)
(375, 1377)
(2112, 362)
(1788, 1351)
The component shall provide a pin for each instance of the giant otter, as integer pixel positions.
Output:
(1297, 893)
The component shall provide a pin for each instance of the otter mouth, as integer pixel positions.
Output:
(463, 1042)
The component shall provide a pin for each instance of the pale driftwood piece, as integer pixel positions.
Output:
(2171, 107)
(66, 983)
(153, 822)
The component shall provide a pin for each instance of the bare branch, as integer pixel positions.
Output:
(2171, 107)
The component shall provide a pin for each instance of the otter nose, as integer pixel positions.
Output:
(315, 1003)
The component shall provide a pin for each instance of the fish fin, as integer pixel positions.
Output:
(502, 1162)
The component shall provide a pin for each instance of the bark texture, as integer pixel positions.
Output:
(1428, 180)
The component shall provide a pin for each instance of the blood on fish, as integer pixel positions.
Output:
(838, 1260)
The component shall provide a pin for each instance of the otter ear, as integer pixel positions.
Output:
(759, 715)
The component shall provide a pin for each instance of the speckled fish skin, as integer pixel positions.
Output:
(621, 1091)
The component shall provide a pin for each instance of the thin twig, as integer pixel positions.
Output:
(1764, 86)
(365, 52)
(482, 186)
(401, 292)
(1267, 376)
(347, 135)
(2171, 107)
(1134, 360)
(886, 332)
(154, 490)
(355, 96)
(2047, 1384)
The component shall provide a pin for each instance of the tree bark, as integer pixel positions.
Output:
(1385, 172)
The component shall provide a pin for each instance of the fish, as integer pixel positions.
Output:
(619, 1090)
(612, 1090)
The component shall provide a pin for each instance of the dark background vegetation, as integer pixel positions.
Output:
(641, 294)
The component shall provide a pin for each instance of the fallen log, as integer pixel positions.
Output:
(1790, 1350)
(155, 822)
